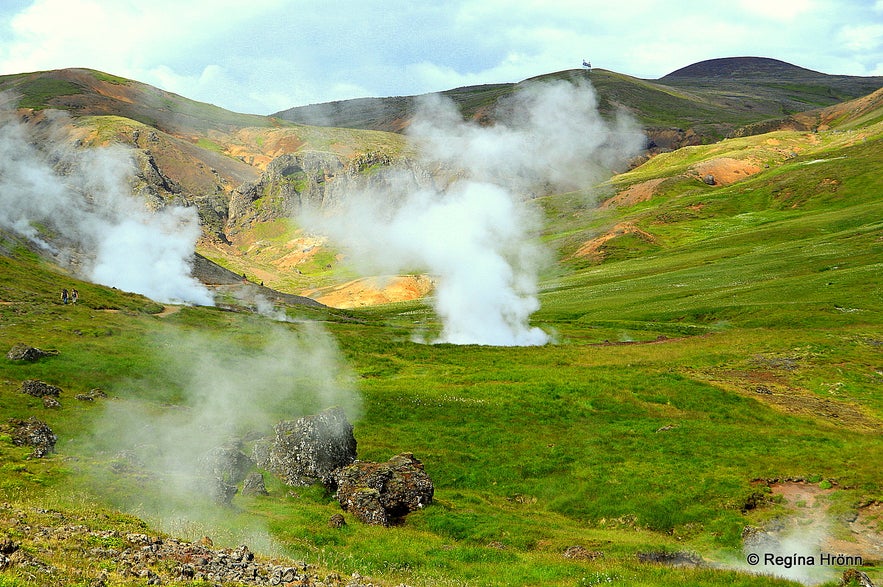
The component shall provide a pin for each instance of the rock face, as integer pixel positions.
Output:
(379, 493)
(319, 179)
(254, 485)
(290, 181)
(221, 469)
(23, 352)
(227, 463)
(309, 449)
(38, 388)
(35, 433)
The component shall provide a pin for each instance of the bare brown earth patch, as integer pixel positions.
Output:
(593, 248)
(168, 311)
(774, 388)
(300, 249)
(371, 291)
(634, 194)
(726, 170)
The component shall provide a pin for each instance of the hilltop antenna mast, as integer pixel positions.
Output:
(587, 65)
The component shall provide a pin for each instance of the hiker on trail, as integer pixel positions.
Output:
(75, 295)
(64, 296)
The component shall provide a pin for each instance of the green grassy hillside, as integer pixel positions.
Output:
(718, 322)
(723, 337)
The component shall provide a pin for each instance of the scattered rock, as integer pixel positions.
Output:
(380, 493)
(38, 388)
(672, 559)
(582, 553)
(254, 485)
(754, 500)
(337, 521)
(50, 402)
(35, 433)
(856, 577)
(91, 396)
(147, 559)
(23, 352)
(708, 179)
(309, 449)
(7, 546)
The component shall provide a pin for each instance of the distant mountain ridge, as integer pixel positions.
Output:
(729, 67)
(699, 103)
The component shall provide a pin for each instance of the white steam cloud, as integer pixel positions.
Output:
(82, 201)
(222, 392)
(476, 234)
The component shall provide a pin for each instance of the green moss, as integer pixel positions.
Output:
(39, 91)
(112, 79)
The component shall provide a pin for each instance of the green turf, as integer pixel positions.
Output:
(639, 429)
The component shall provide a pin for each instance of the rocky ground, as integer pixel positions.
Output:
(47, 547)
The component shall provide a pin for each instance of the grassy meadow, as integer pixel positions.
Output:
(641, 429)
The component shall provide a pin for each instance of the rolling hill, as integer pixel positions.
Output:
(696, 104)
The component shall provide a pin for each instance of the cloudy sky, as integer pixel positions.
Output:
(262, 56)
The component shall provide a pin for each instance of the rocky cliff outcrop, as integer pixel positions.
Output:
(320, 180)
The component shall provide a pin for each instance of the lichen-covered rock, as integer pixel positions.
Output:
(23, 352)
(35, 433)
(379, 493)
(856, 577)
(254, 485)
(227, 463)
(309, 449)
(336, 521)
(39, 388)
(217, 489)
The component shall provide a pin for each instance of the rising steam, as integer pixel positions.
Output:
(83, 199)
(210, 399)
(476, 233)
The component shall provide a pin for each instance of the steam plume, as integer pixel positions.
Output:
(220, 399)
(476, 233)
(85, 199)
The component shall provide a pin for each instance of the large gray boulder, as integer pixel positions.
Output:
(380, 493)
(227, 463)
(220, 470)
(254, 485)
(309, 449)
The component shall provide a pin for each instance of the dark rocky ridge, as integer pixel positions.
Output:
(745, 67)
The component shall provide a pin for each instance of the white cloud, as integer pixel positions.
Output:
(269, 55)
(864, 37)
(780, 10)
